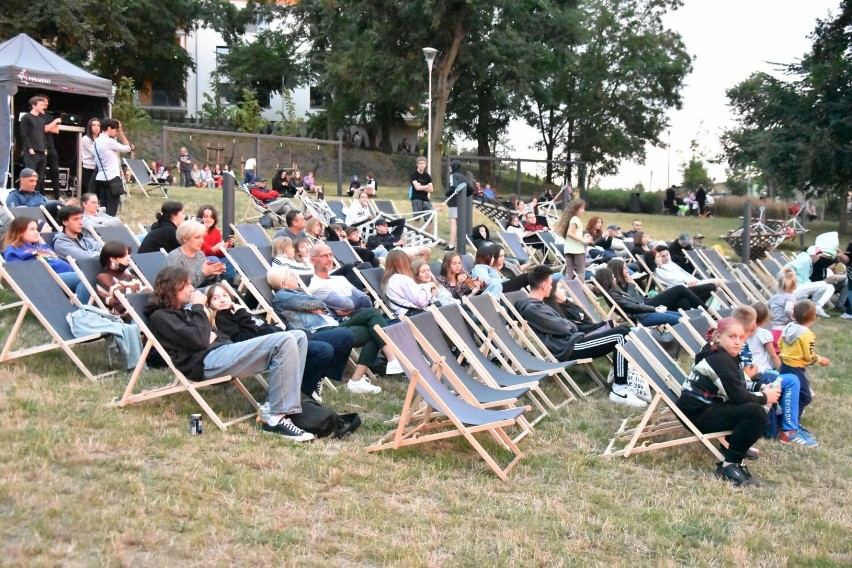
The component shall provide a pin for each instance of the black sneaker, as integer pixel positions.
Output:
(317, 394)
(736, 474)
(288, 431)
(752, 454)
(448, 249)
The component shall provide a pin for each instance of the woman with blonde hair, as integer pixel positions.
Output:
(400, 289)
(781, 303)
(202, 271)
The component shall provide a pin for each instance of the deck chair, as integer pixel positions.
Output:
(525, 351)
(144, 177)
(257, 209)
(494, 210)
(148, 264)
(699, 264)
(584, 299)
(372, 280)
(337, 207)
(135, 305)
(40, 214)
(121, 233)
(614, 308)
(685, 336)
(553, 250)
(252, 234)
(738, 287)
(658, 421)
(319, 209)
(42, 294)
(434, 345)
(445, 415)
(753, 282)
(531, 341)
(344, 253)
(516, 247)
(87, 269)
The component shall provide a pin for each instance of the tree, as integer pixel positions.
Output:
(607, 95)
(695, 174)
(133, 39)
(798, 132)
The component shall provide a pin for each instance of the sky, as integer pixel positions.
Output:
(729, 40)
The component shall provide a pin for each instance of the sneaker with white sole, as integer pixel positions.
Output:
(393, 368)
(363, 386)
(798, 439)
(317, 394)
(846, 316)
(287, 430)
(621, 394)
(821, 313)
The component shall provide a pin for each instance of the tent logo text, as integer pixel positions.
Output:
(27, 79)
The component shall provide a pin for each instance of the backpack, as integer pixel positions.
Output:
(323, 422)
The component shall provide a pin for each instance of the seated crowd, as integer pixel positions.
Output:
(208, 330)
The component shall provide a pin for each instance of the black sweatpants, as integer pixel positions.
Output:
(603, 344)
(748, 422)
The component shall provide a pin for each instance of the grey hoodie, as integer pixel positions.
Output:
(792, 332)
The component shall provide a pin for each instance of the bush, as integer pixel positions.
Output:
(732, 206)
(619, 200)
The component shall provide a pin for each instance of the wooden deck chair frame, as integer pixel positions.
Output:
(84, 270)
(701, 269)
(614, 308)
(508, 311)
(486, 392)
(180, 384)
(446, 368)
(486, 308)
(20, 277)
(666, 420)
(686, 338)
(653, 281)
(673, 373)
(441, 419)
(583, 297)
(737, 287)
(552, 251)
(477, 357)
(519, 249)
(753, 281)
(137, 173)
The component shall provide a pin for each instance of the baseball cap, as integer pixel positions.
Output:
(260, 178)
(27, 173)
(684, 237)
(380, 221)
(698, 236)
(613, 228)
(814, 250)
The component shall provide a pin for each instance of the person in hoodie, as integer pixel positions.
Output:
(798, 349)
(561, 337)
(178, 320)
(457, 178)
(714, 397)
(163, 233)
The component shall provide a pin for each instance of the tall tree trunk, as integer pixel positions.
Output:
(844, 215)
(440, 98)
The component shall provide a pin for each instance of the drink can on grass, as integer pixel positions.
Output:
(195, 425)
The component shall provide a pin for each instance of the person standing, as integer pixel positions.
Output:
(570, 228)
(185, 167)
(87, 155)
(421, 187)
(33, 139)
(51, 130)
(108, 177)
(701, 200)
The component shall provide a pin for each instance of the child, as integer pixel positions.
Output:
(759, 354)
(798, 349)
(715, 399)
(781, 303)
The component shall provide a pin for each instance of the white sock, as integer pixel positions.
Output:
(275, 419)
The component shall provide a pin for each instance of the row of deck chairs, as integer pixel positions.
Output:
(416, 224)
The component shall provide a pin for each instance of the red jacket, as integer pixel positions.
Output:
(264, 194)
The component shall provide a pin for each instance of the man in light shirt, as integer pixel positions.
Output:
(670, 274)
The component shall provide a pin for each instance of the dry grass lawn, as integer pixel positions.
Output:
(87, 485)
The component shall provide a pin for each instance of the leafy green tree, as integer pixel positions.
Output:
(695, 174)
(247, 115)
(124, 107)
(606, 95)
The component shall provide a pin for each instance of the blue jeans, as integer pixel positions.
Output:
(805, 394)
(328, 353)
(283, 354)
(73, 282)
(657, 318)
(230, 271)
(789, 401)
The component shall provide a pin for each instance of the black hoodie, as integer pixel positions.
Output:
(456, 178)
(163, 234)
(185, 335)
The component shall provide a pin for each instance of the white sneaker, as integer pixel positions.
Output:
(364, 386)
(621, 394)
(846, 316)
(821, 313)
(393, 368)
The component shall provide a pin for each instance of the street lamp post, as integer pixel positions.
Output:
(429, 53)
(669, 161)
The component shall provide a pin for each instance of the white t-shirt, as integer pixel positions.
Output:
(338, 284)
(106, 157)
(250, 163)
(759, 356)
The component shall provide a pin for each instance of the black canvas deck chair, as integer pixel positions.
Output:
(443, 415)
(46, 222)
(120, 233)
(372, 280)
(144, 177)
(737, 288)
(521, 351)
(699, 264)
(42, 294)
(135, 305)
(252, 234)
(87, 269)
(674, 374)
(148, 264)
(337, 208)
(614, 311)
(553, 250)
(583, 297)
(434, 345)
(344, 253)
(516, 247)
(663, 424)
(685, 336)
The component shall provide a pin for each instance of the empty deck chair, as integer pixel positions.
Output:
(344, 253)
(445, 414)
(148, 264)
(435, 347)
(252, 234)
(337, 207)
(120, 233)
(684, 335)
(144, 177)
(516, 246)
(662, 418)
(45, 296)
(135, 305)
(674, 374)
